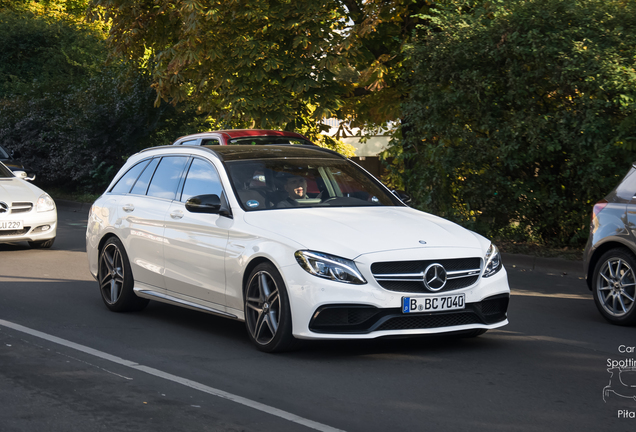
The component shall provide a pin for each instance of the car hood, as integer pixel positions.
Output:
(354, 231)
(15, 189)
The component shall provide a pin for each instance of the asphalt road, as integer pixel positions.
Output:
(68, 364)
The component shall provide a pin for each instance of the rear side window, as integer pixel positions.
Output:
(128, 180)
(627, 188)
(141, 186)
(167, 176)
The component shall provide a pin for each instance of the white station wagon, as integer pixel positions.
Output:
(296, 241)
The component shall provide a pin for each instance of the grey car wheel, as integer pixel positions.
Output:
(614, 286)
(115, 279)
(267, 312)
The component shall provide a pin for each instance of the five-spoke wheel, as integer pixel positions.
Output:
(615, 286)
(267, 312)
(115, 278)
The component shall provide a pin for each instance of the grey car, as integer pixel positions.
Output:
(610, 253)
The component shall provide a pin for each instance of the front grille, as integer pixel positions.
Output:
(408, 276)
(15, 232)
(21, 207)
(357, 319)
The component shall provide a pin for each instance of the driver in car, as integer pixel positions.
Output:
(296, 188)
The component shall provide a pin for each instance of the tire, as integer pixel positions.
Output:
(116, 280)
(614, 286)
(42, 244)
(267, 311)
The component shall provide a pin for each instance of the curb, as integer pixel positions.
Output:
(550, 265)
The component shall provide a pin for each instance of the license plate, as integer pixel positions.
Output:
(433, 304)
(10, 225)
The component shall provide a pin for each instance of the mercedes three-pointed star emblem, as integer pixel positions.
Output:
(435, 277)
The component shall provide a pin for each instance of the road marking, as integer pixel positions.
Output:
(174, 378)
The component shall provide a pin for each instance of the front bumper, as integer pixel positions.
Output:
(34, 227)
(324, 309)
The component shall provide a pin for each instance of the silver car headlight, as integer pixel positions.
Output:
(329, 267)
(45, 203)
(493, 261)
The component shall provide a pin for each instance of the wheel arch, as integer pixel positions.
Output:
(250, 266)
(103, 241)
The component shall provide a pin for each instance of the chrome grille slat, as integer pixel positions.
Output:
(21, 207)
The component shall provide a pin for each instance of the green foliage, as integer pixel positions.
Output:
(523, 112)
(265, 61)
(42, 55)
(79, 138)
(73, 118)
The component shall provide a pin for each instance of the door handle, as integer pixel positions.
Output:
(177, 214)
(128, 208)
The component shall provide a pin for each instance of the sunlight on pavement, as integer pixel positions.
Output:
(551, 295)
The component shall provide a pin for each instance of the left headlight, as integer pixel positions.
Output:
(45, 203)
(493, 261)
(329, 267)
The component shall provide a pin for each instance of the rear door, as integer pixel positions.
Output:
(142, 213)
(196, 242)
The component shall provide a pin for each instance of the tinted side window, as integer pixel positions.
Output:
(627, 188)
(202, 179)
(167, 176)
(127, 180)
(210, 141)
(141, 186)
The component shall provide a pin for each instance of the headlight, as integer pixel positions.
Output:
(45, 203)
(492, 260)
(329, 267)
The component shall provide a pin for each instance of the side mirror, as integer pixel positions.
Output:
(23, 175)
(403, 196)
(204, 204)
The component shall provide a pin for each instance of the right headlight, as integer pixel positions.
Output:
(493, 261)
(329, 267)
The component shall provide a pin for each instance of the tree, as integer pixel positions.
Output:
(73, 118)
(523, 114)
(271, 62)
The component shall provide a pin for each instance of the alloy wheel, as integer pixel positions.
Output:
(616, 286)
(263, 307)
(111, 273)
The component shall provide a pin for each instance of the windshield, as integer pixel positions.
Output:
(302, 183)
(5, 172)
(259, 140)
(3, 153)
